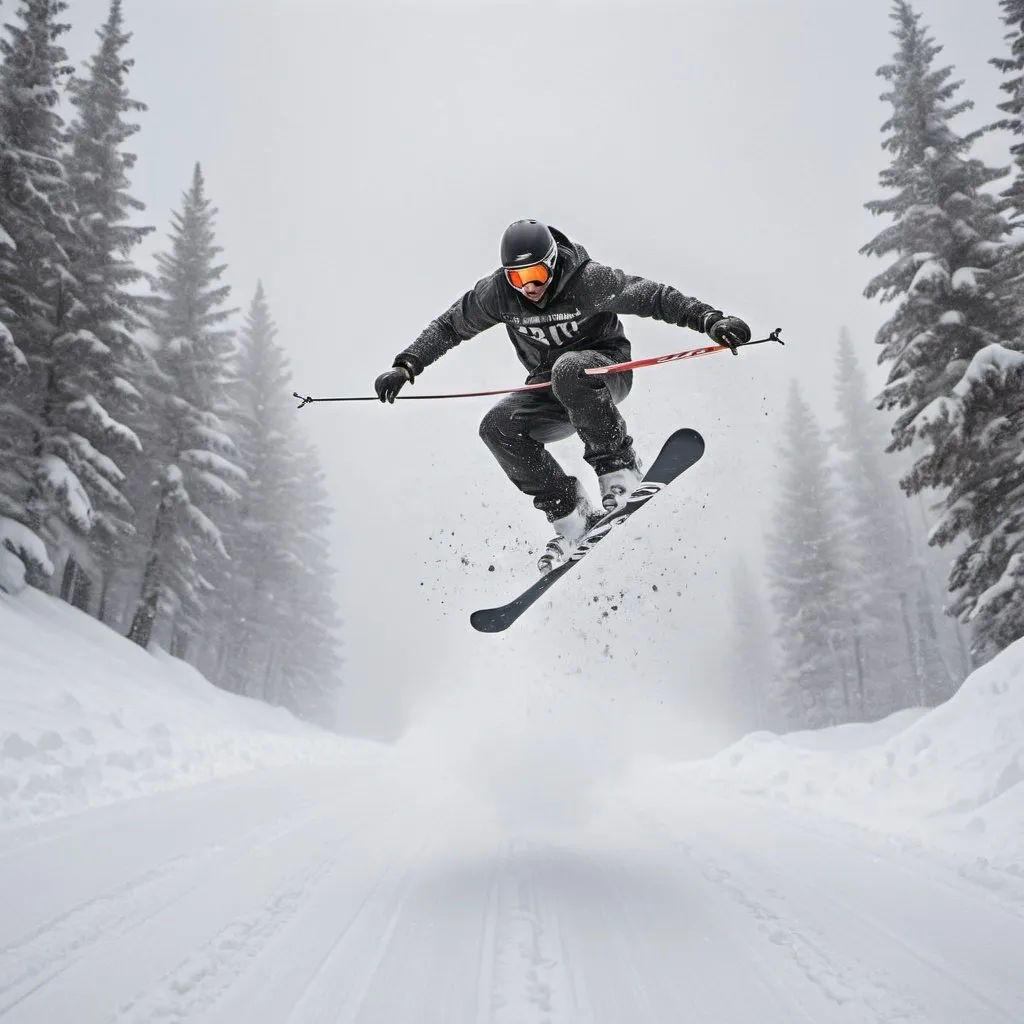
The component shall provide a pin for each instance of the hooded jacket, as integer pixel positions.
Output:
(579, 310)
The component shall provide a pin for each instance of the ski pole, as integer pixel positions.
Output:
(689, 353)
(634, 364)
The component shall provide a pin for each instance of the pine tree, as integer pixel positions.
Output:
(950, 375)
(192, 457)
(871, 556)
(259, 541)
(1013, 107)
(814, 686)
(281, 636)
(310, 661)
(946, 237)
(39, 458)
(983, 468)
(989, 575)
(101, 360)
(900, 663)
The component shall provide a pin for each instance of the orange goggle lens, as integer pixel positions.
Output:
(524, 275)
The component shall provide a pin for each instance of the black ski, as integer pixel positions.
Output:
(677, 455)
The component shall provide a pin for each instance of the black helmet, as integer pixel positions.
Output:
(526, 243)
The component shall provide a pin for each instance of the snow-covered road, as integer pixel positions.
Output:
(307, 896)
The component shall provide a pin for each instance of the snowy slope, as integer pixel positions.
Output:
(86, 717)
(952, 776)
(474, 871)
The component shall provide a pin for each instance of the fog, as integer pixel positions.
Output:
(365, 159)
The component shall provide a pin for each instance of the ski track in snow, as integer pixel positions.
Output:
(112, 918)
(531, 979)
(300, 898)
(881, 945)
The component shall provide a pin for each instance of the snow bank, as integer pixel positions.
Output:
(954, 774)
(853, 735)
(87, 718)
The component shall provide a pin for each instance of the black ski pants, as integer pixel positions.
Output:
(520, 425)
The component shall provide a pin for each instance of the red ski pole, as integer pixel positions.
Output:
(633, 364)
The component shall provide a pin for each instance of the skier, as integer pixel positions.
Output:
(560, 310)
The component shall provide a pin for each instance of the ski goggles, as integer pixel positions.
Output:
(539, 273)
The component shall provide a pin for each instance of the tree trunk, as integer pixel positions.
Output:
(913, 655)
(858, 660)
(141, 630)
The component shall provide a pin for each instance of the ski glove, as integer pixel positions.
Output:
(726, 330)
(387, 385)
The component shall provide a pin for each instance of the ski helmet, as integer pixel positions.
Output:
(528, 253)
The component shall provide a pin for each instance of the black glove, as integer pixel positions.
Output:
(387, 385)
(726, 330)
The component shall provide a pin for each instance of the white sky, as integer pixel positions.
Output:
(365, 158)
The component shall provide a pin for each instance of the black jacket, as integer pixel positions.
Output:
(578, 311)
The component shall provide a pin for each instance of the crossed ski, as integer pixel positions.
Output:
(682, 449)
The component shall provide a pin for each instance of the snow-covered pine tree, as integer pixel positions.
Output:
(900, 662)
(1013, 107)
(39, 482)
(945, 235)
(989, 575)
(815, 684)
(310, 662)
(948, 240)
(100, 359)
(260, 539)
(281, 636)
(12, 359)
(871, 558)
(982, 465)
(1010, 282)
(192, 457)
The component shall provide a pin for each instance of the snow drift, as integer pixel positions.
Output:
(953, 773)
(87, 718)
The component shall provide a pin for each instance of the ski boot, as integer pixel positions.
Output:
(618, 485)
(569, 531)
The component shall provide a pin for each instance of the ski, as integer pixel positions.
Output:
(678, 454)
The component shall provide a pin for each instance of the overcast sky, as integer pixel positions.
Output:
(365, 158)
